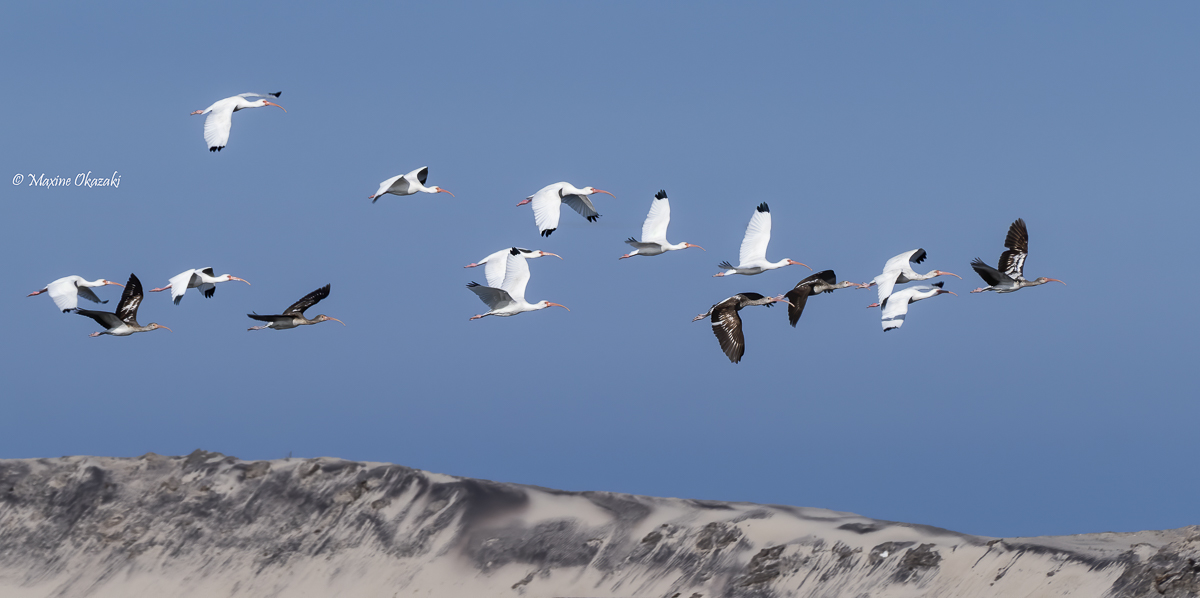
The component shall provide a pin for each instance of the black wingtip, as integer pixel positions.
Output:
(472, 284)
(546, 233)
(276, 94)
(660, 195)
(762, 207)
(939, 284)
(515, 251)
(593, 218)
(105, 301)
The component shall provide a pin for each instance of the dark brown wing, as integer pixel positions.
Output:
(270, 318)
(798, 297)
(989, 274)
(423, 174)
(309, 300)
(103, 318)
(1012, 262)
(727, 325)
(131, 298)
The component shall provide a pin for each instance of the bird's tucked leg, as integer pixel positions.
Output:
(257, 327)
(866, 285)
(872, 305)
(718, 274)
(36, 293)
(162, 289)
(476, 317)
(979, 290)
(95, 334)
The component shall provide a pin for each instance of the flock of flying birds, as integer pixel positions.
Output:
(507, 270)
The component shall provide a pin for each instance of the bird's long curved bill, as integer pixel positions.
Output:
(440, 190)
(241, 279)
(603, 191)
(123, 286)
(1054, 279)
(950, 274)
(266, 103)
(696, 246)
(951, 292)
(168, 329)
(336, 320)
(558, 305)
(560, 257)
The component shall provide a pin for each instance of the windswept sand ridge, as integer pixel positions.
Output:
(208, 525)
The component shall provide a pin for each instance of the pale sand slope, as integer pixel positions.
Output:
(207, 525)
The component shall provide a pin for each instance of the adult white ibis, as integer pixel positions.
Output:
(898, 270)
(407, 184)
(124, 321)
(220, 116)
(727, 324)
(1009, 275)
(895, 306)
(294, 315)
(66, 291)
(509, 298)
(824, 281)
(752, 259)
(201, 278)
(496, 263)
(546, 204)
(654, 231)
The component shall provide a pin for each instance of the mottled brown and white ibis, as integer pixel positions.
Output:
(824, 281)
(497, 263)
(654, 231)
(509, 298)
(220, 116)
(548, 199)
(124, 321)
(294, 315)
(895, 306)
(752, 258)
(66, 291)
(727, 323)
(1009, 275)
(199, 278)
(898, 270)
(407, 184)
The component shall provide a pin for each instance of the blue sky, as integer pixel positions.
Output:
(870, 129)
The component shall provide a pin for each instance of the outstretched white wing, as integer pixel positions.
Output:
(495, 267)
(217, 124)
(179, 284)
(65, 293)
(895, 308)
(546, 207)
(516, 276)
(654, 229)
(758, 234)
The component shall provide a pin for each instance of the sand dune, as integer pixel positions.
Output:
(207, 525)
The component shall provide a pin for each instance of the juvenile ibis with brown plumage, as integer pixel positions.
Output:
(727, 323)
(124, 321)
(294, 315)
(824, 281)
(1009, 275)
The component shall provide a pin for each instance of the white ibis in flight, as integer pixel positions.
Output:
(220, 116)
(752, 258)
(497, 263)
(895, 306)
(727, 324)
(124, 321)
(66, 291)
(1009, 274)
(200, 278)
(546, 204)
(509, 298)
(407, 184)
(898, 270)
(294, 315)
(824, 281)
(654, 231)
